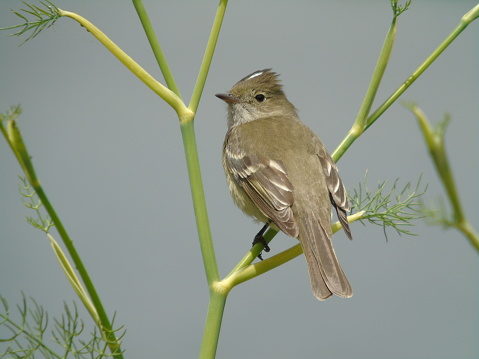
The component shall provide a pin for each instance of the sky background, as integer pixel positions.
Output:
(108, 152)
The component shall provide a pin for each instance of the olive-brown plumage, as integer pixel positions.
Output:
(278, 170)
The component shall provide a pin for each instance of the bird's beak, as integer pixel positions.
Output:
(228, 98)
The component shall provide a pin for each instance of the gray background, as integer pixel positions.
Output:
(109, 153)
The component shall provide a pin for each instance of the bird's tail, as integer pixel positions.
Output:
(325, 272)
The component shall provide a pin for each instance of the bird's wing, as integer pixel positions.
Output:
(337, 191)
(266, 183)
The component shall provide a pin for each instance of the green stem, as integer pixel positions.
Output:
(352, 135)
(217, 296)
(166, 94)
(377, 75)
(253, 252)
(213, 324)
(262, 267)
(434, 139)
(208, 56)
(245, 271)
(360, 124)
(17, 144)
(199, 202)
(106, 328)
(465, 21)
(466, 228)
(155, 46)
(357, 129)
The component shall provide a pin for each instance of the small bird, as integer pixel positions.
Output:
(279, 172)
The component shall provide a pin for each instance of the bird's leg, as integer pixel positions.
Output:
(260, 239)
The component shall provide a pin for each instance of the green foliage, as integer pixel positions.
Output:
(398, 9)
(12, 114)
(42, 18)
(29, 334)
(389, 207)
(42, 222)
(436, 214)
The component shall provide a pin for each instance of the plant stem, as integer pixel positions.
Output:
(217, 297)
(377, 75)
(199, 202)
(434, 138)
(169, 96)
(466, 228)
(245, 270)
(155, 46)
(360, 124)
(18, 146)
(254, 252)
(357, 130)
(212, 329)
(208, 56)
(465, 21)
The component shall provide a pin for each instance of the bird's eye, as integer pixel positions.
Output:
(259, 97)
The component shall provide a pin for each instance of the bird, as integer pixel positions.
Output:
(279, 172)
